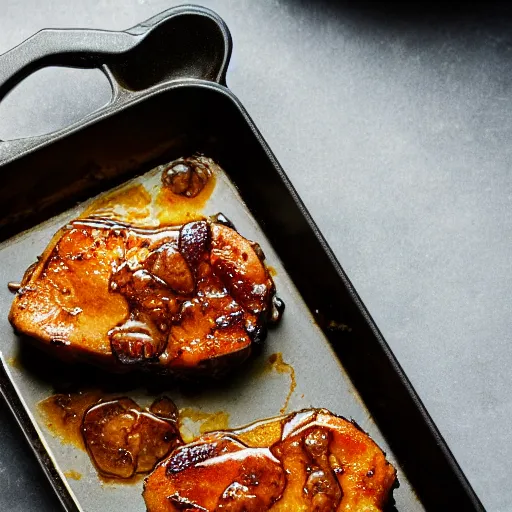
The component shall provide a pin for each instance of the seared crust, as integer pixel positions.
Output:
(306, 461)
(173, 299)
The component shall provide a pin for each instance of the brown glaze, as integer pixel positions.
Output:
(187, 185)
(63, 414)
(306, 461)
(174, 299)
(129, 203)
(277, 364)
(122, 439)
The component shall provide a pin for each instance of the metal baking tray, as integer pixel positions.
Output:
(170, 99)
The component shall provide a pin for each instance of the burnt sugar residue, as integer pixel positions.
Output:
(187, 184)
(73, 475)
(63, 414)
(193, 422)
(276, 363)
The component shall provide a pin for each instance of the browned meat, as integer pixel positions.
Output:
(174, 299)
(307, 461)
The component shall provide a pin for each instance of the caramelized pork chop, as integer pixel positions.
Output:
(173, 299)
(307, 461)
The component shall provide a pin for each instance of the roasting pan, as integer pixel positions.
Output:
(169, 98)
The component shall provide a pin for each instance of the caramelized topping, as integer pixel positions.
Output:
(136, 340)
(107, 429)
(308, 461)
(63, 413)
(194, 242)
(123, 440)
(165, 409)
(250, 479)
(167, 264)
(187, 176)
(321, 485)
(180, 306)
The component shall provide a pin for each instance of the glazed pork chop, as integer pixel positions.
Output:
(173, 299)
(307, 461)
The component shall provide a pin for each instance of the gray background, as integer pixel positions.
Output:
(394, 127)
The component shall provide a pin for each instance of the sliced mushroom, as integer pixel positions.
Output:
(123, 440)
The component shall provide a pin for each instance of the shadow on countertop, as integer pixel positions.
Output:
(420, 12)
(469, 32)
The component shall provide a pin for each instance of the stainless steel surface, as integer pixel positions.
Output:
(395, 130)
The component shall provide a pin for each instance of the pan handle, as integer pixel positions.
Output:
(181, 42)
(69, 48)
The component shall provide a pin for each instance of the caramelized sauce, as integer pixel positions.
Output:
(271, 270)
(122, 439)
(277, 363)
(63, 414)
(261, 433)
(160, 205)
(193, 422)
(177, 209)
(130, 203)
(73, 475)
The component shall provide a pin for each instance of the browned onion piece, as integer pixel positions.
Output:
(165, 409)
(170, 266)
(157, 438)
(123, 440)
(187, 176)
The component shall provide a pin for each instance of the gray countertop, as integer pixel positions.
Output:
(395, 128)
